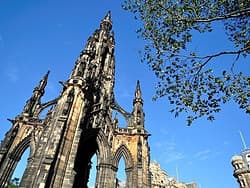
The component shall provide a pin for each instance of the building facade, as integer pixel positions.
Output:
(80, 123)
(160, 179)
(241, 164)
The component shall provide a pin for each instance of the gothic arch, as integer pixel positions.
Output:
(123, 151)
(20, 148)
(97, 135)
(12, 160)
(129, 165)
(104, 153)
(92, 141)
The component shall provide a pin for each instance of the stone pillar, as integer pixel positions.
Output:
(104, 176)
(27, 176)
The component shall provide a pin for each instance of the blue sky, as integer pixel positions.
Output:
(36, 36)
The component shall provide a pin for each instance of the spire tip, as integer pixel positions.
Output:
(106, 23)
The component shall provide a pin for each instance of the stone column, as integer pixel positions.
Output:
(104, 175)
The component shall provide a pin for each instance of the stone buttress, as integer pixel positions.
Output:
(79, 124)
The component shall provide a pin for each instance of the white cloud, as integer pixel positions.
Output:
(203, 155)
(12, 73)
(174, 156)
(168, 151)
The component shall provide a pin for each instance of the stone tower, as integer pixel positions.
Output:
(79, 124)
(241, 164)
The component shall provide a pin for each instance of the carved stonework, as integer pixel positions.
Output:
(159, 178)
(79, 125)
(241, 164)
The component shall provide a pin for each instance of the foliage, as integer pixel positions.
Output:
(185, 75)
(14, 183)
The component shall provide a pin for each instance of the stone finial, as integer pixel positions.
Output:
(106, 23)
(43, 81)
(138, 94)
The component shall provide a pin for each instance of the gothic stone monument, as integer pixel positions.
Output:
(79, 124)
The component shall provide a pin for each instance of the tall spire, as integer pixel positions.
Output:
(35, 99)
(106, 23)
(98, 53)
(138, 93)
(43, 83)
(138, 90)
(138, 106)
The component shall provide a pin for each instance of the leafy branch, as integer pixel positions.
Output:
(234, 14)
(185, 78)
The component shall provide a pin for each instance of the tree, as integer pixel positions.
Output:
(13, 183)
(185, 74)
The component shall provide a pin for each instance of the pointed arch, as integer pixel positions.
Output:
(13, 158)
(104, 151)
(20, 148)
(123, 151)
(93, 141)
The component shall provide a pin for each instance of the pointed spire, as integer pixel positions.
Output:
(38, 92)
(43, 82)
(138, 94)
(108, 16)
(138, 113)
(106, 23)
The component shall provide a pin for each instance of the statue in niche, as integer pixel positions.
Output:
(139, 151)
(80, 69)
(68, 102)
(34, 141)
(106, 26)
(115, 122)
(93, 69)
(90, 122)
(99, 49)
(138, 118)
(111, 44)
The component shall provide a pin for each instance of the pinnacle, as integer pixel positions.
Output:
(138, 90)
(106, 23)
(46, 75)
(43, 82)
(108, 17)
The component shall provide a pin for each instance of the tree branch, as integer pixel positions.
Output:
(226, 53)
(234, 14)
(213, 55)
(209, 57)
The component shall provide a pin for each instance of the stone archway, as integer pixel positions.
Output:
(124, 152)
(93, 141)
(12, 159)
